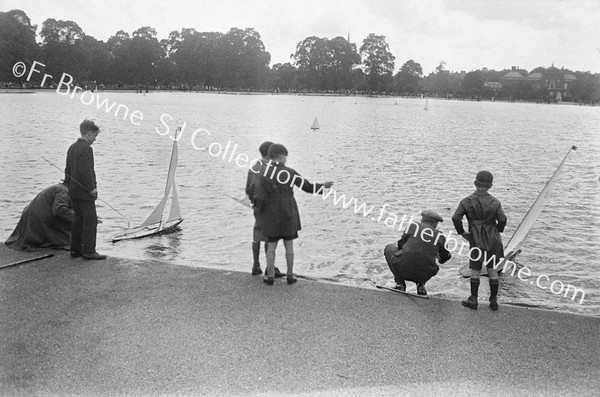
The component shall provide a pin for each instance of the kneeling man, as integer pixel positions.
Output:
(414, 258)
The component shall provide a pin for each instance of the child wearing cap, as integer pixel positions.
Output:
(414, 257)
(486, 220)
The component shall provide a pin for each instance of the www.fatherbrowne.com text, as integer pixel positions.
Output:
(65, 87)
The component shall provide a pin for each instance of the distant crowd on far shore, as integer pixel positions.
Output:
(147, 88)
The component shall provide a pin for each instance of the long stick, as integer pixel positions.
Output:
(37, 258)
(402, 292)
(76, 181)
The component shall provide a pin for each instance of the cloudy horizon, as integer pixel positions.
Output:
(466, 34)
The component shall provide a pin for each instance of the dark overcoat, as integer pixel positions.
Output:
(486, 220)
(274, 201)
(45, 222)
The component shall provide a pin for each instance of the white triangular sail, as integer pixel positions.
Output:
(157, 214)
(520, 234)
(175, 212)
(315, 125)
(154, 224)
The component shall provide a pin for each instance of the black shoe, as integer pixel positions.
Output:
(470, 302)
(76, 254)
(401, 286)
(291, 279)
(278, 274)
(421, 289)
(493, 304)
(94, 256)
(256, 270)
(269, 280)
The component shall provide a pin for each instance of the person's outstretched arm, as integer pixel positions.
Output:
(305, 185)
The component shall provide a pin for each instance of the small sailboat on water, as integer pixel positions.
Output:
(315, 125)
(513, 248)
(155, 224)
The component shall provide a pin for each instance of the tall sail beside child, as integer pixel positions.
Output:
(155, 223)
(518, 238)
(513, 248)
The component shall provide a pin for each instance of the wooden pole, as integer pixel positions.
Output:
(37, 258)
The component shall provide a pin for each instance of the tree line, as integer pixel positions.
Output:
(238, 60)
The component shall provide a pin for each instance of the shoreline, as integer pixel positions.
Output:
(122, 327)
(19, 255)
(323, 94)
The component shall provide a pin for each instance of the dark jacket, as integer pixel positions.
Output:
(253, 178)
(486, 221)
(274, 200)
(419, 247)
(79, 171)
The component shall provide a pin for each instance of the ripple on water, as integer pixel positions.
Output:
(378, 153)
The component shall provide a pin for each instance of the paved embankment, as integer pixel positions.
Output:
(123, 327)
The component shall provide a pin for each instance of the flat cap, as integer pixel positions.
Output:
(431, 216)
(484, 179)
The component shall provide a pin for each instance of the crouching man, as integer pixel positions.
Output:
(414, 257)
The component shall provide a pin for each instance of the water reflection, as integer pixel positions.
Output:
(165, 247)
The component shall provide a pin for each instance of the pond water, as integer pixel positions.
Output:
(377, 150)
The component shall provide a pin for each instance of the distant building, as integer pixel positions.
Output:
(558, 82)
(515, 75)
(494, 85)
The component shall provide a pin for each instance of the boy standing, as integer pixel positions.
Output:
(486, 220)
(80, 177)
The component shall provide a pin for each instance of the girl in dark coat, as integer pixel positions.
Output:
(274, 203)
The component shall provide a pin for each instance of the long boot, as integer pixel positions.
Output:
(471, 301)
(494, 284)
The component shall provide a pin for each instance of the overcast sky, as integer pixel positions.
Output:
(467, 34)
